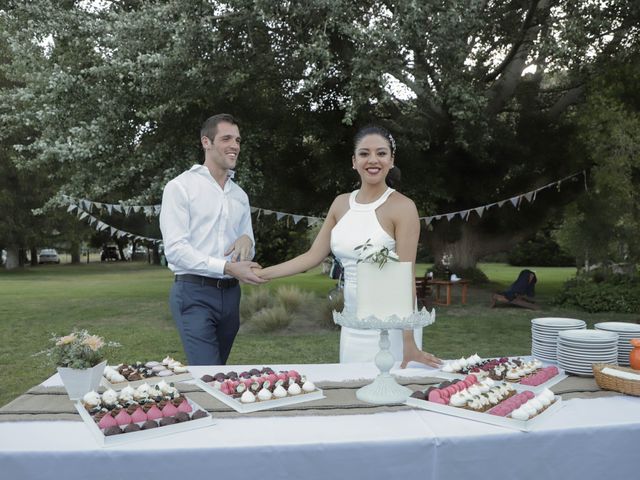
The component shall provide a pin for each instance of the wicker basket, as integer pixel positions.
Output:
(608, 382)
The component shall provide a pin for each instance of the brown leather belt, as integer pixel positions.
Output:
(221, 283)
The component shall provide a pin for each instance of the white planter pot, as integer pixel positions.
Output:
(80, 381)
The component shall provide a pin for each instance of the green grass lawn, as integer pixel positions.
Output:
(128, 303)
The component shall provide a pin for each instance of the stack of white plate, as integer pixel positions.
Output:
(625, 331)
(544, 334)
(578, 350)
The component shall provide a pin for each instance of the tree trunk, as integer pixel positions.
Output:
(34, 256)
(75, 252)
(13, 258)
(466, 245)
(155, 254)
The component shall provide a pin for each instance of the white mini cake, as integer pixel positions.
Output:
(385, 291)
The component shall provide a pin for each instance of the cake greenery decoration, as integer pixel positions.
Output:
(79, 349)
(371, 254)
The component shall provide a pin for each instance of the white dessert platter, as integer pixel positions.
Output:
(259, 405)
(124, 438)
(384, 390)
(523, 425)
(517, 385)
(176, 377)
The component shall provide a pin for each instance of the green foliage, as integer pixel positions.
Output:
(266, 310)
(617, 293)
(106, 100)
(604, 224)
(293, 299)
(278, 240)
(541, 250)
(271, 319)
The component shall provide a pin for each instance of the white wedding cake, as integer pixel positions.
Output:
(385, 291)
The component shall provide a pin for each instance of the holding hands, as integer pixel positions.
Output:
(240, 266)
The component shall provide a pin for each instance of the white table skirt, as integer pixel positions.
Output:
(587, 439)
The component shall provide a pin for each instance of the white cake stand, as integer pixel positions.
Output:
(384, 390)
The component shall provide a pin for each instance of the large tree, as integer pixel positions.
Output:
(119, 90)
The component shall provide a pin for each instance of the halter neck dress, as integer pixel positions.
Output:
(358, 225)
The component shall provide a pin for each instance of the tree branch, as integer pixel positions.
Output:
(526, 25)
(568, 99)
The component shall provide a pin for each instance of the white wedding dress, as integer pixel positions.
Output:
(358, 225)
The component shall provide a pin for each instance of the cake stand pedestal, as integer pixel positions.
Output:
(384, 390)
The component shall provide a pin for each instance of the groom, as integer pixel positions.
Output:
(208, 241)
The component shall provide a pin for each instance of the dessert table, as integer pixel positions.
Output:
(586, 439)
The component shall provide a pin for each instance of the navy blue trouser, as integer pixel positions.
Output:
(208, 319)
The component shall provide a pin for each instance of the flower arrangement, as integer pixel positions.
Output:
(79, 350)
(371, 254)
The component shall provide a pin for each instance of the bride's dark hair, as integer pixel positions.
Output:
(375, 130)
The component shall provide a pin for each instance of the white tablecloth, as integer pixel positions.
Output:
(587, 439)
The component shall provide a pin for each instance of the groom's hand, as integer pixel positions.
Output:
(243, 272)
(241, 249)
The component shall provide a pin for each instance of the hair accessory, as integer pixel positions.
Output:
(393, 144)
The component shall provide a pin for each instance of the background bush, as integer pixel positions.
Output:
(266, 310)
(616, 293)
(541, 251)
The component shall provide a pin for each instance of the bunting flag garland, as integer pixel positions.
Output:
(100, 226)
(516, 201)
(85, 207)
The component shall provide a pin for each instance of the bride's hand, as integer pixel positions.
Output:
(417, 355)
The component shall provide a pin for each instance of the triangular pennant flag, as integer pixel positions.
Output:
(112, 230)
(501, 202)
(98, 205)
(428, 220)
(137, 208)
(297, 218)
(279, 215)
(254, 209)
(311, 221)
(267, 212)
(72, 207)
(148, 211)
(127, 209)
(109, 208)
(480, 211)
(451, 215)
(515, 200)
(464, 214)
(93, 220)
(118, 208)
(437, 217)
(529, 196)
(83, 215)
(157, 209)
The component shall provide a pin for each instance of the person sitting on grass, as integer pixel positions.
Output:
(520, 293)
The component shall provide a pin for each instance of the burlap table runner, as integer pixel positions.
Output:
(52, 403)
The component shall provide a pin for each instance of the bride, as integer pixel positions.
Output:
(376, 213)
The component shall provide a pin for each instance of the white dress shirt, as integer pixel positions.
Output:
(200, 221)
